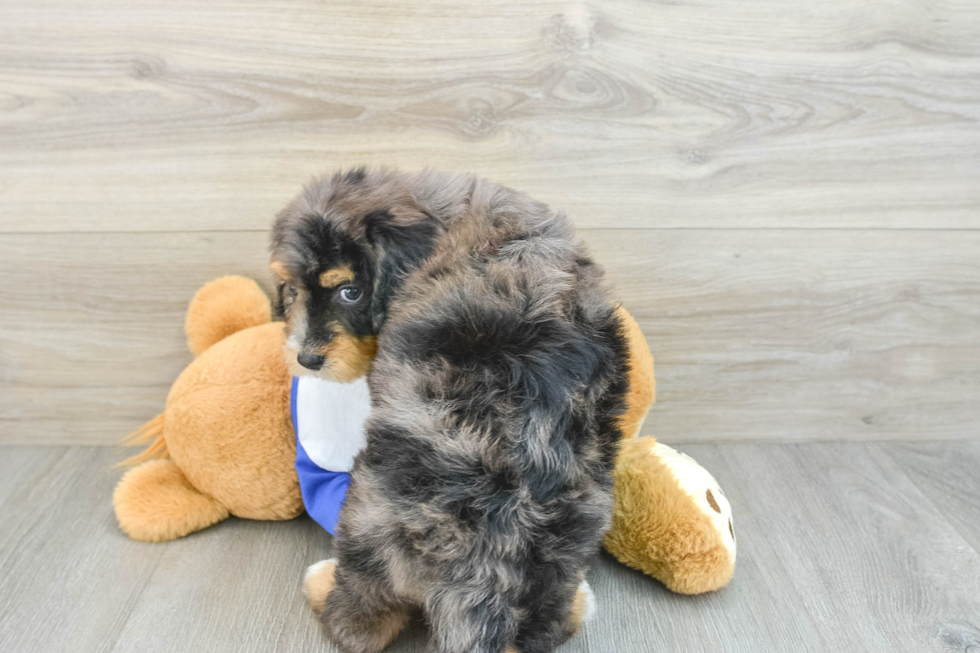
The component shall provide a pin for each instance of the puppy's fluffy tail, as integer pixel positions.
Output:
(152, 433)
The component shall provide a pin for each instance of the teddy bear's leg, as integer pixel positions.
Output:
(642, 391)
(360, 613)
(155, 503)
(671, 519)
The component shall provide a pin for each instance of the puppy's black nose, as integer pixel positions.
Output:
(311, 361)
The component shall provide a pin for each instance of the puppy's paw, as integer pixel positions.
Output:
(318, 582)
(583, 605)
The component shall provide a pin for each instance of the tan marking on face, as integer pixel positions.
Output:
(336, 276)
(350, 357)
(279, 269)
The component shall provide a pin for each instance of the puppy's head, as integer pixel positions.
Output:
(339, 251)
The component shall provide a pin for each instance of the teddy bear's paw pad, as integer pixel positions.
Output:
(702, 487)
(583, 605)
(318, 582)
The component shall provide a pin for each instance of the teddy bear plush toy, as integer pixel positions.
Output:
(240, 436)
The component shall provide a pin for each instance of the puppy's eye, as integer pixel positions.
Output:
(350, 294)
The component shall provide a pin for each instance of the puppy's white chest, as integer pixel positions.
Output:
(330, 420)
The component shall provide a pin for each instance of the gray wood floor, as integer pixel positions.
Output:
(842, 547)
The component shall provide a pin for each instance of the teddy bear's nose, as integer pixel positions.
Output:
(311, 361)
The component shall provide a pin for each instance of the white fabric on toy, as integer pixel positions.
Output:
(702, 487)
(330, 420)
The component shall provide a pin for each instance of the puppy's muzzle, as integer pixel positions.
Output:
(311, 361)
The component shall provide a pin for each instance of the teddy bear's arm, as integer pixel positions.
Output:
(642, 385)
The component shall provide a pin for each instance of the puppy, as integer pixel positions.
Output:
(485, 487)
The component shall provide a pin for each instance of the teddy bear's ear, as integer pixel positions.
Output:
(223, 307)
(399, 244)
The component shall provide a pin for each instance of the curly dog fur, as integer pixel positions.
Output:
(500, 375)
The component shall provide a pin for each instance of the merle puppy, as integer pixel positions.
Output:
(485, 487)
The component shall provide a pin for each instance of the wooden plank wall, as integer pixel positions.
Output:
(786, 194)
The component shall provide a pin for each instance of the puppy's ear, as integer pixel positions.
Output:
(399, 246)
